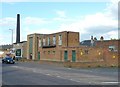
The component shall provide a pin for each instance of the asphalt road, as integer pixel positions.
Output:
(0, 72)
(33, 73)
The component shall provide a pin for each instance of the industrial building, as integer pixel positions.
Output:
(44, 43)
(65, 46)
(20, 49)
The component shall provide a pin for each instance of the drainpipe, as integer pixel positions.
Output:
(67, 39)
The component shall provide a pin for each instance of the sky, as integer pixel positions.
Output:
(89, 18)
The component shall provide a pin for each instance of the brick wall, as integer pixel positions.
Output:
(73, 39)
(98, 55)
(51, 54)
(68, 39)
(25, 50)
(92, 56)
(35, 38)
(107, 43)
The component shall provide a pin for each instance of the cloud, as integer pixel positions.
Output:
(8, 21)
(112, 8)
(100, 23)
(61, 13)
(29, 30)
(100, 19)
(3, 37)
(6, 24)
(34, 21)
(72, 27)
(61, 16)
(67, 20)
(59, 19)
(91, 23)
(111, 34)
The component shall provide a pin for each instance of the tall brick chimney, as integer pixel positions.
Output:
(18, 29)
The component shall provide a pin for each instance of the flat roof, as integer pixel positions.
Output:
(52, 33)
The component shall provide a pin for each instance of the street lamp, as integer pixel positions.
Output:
(11, 36)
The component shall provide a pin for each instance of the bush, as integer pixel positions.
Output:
(70, 66)
(113, 65)
(99, 66)
(89, 66)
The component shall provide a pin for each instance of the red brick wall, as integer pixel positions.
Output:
(95, 56)
(98, 56)
(73, 39)
(107, 43)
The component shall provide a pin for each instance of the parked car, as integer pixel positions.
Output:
(8, 60)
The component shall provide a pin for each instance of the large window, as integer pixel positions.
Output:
(40, 43)
(30, 45)
(60, 39)
(43, 42)
(48, 41)
(54, 40)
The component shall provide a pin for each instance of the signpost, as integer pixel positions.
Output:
(18, 53)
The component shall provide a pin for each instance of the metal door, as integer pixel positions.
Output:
(65, 55)
(38, 55)
(73, 55)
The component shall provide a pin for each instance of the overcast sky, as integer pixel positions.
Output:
(96, 18)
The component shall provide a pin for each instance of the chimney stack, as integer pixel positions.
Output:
(18, 29)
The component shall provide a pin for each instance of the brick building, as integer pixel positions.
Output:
(112, 45)
(32, 46)
(49, 46)
(20, 49)
(65, 46)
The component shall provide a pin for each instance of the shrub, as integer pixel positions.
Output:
(99, 66)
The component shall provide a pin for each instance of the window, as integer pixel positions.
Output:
(54, 40)
(112, 48)
(40, 43)
(43, 42)
(48, 52)
(86, 51)
(48, 41)
(60, 40)
(53, 52)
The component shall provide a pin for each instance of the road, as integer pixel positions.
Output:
(0, 72)
(34, 73)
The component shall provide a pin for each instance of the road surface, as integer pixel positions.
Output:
(34, 73)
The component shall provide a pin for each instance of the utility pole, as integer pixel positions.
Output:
(11, 37)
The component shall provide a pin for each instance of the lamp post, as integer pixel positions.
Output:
(11, 37)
